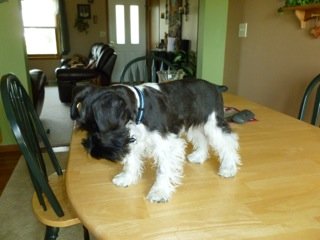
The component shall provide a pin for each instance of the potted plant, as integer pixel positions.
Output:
(186, 61)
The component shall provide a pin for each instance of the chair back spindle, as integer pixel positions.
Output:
(314, 84)
(144, 69)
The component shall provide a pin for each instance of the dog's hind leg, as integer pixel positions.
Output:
(169, 158)
(196, 136)
(225, 143)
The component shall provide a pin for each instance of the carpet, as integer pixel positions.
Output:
(55, 117)
(17, 219)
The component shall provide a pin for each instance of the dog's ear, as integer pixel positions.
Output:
(76, 103)
(110, 112)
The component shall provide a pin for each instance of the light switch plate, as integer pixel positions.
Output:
(243, 29)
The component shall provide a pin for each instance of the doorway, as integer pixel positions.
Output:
(127, 31)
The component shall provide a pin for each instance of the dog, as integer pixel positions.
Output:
(128, 123)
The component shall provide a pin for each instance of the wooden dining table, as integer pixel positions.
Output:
(275, 195)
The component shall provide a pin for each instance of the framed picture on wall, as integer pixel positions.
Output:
(84, 11)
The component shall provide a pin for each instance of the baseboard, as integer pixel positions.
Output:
(15, 149)
(9, 148)
(52, 83)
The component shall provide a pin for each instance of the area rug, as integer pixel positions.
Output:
(17, 221)
(55, 117)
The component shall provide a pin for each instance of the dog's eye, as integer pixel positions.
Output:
(132, 139)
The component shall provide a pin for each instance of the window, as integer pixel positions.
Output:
(121, 27)
(40, 26)
(134, 24)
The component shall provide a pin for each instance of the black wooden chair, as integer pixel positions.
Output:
(50, 202)
(312, 86)
(144, 69)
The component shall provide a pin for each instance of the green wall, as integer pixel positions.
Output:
(212, 39)
(12, 55)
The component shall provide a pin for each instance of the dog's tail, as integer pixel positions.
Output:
(222, 88)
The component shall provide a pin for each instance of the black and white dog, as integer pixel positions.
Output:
(127, 124)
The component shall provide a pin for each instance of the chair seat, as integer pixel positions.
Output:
(49, 217)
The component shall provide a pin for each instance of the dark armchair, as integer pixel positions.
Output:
(98, 69)
(38, 82)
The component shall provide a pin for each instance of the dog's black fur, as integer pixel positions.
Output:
(105, 111)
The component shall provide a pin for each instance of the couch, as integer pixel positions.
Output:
(74, 73)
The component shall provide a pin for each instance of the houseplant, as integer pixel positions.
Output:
(186, 61)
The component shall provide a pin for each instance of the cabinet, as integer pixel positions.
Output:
(305, 13)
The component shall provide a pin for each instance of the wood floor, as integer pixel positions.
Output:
(8, 161)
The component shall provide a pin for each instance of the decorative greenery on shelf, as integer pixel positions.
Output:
(295, 3)
(81, 24)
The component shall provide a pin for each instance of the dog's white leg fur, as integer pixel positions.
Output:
(133, 162)
(196, 136)
(226, 146)
(132, 169)
(169, 156)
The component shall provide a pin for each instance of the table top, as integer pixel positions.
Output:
(275, 195)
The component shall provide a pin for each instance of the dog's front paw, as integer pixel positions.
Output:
(228, 172)
(124, 180)
(158, 195)
(197, 157)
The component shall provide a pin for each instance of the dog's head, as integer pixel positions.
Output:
(103, 113)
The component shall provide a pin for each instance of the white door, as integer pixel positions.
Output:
(127, 31)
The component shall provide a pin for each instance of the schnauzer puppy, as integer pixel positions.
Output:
(128, 123)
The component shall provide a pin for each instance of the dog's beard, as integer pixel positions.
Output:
(111, 145)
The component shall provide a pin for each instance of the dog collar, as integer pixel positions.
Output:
(141, 105)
